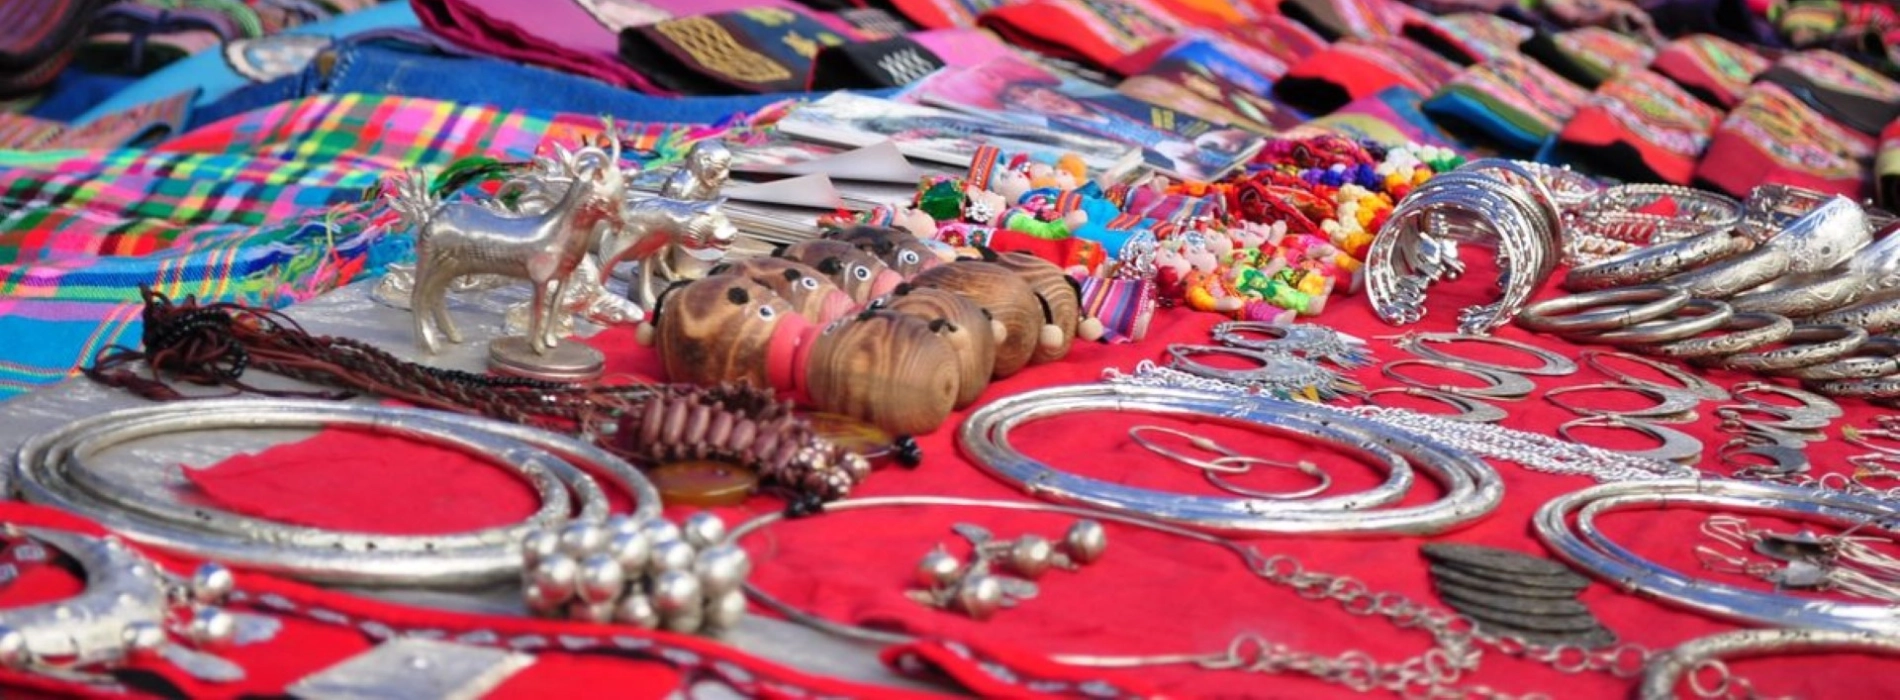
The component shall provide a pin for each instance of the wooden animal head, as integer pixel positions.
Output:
(1061, 304)
(1005, 295)
(887, 369)
(858, 273)
(969, 329)
(720, 328)
(906, 254)
(810, 292)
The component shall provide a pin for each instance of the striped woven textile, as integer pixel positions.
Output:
(265, 208)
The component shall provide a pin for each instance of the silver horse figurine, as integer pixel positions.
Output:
(454, 239)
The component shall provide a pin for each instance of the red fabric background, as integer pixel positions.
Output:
(1151, 593)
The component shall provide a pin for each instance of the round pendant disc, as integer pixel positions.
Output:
(567, 362)
(851, 434)
(703, 483)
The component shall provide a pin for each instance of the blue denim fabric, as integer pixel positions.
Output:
(209, 72)
(395, 69)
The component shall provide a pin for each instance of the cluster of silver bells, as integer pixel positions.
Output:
(975, 590)
(649, 573)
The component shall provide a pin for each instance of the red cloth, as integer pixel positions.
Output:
(1152, 593)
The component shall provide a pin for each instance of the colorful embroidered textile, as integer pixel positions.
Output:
(1887, 167)
(1351, 69)
(1590, 55)
(37, 40)
(1834, 85)
(1512, 99)
(1391, 117)
(1350, 19)
(1710, 67)
(1469, 37)
(265, 208)
(1094, 33)
(761, 49)
(1640, 126)
(1773, 137)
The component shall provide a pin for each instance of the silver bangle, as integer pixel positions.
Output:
(1880, 314)
(1740, 333)
(1804, 295)
(1627, 307)
(1471, 488)
(1733, 276)
(1505, 386)
(1880, 388)
(1653, 263)
(1878, 357)
(1808, 345)
(1586, 548)
(47, 473)
(1420, 344)
(1708, 315)
(1685, 382)
(1824, 237)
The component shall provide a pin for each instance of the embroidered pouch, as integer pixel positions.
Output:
(1094, 33)
(1469, 37)
(1640, 126)
(1351, 69)
(1589, 55)
(886, 63)
(1391, 117)
(1513, 100)
(756, 50)
(1710, 67)
(1350, 19)
(1834, 85)
(1774, 137)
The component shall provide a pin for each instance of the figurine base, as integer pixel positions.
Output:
(565, 362)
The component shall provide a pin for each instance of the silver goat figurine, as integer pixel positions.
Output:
(454, 239)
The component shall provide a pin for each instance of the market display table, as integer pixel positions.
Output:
(1150, 594)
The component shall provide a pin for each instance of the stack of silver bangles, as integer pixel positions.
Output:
(1567, 524)
(1493, 202)
(1471, 488)
(1819, 284)
(1618, 220)
(60, 468)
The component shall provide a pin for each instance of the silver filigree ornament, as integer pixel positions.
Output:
(124, 614)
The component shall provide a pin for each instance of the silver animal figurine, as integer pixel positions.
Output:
(708, 165)
(454, 239)
(663, 236)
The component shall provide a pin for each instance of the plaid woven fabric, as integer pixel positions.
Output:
(265, 208)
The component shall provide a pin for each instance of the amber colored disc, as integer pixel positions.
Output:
(703, 483)
(851, 434)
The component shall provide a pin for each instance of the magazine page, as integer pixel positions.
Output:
(926, 133)
(1016, 90)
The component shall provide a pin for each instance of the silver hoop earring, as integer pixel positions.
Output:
(1677, 446)
(1673, 406)
(1811, 403)
(1499, 385)
(1555, 365)
(1689, 383)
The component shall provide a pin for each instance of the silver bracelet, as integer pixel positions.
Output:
(1653, 263)
(1471, 488)
(1805, 295)
(1586, 548)
(1628, 306)
(1877, 315)
(1878, 357)
(1740, 333)
(1703, 315)
(50, 471)
(1734, 275)
(1808, 345)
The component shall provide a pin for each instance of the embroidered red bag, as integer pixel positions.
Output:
(1773, 137)
(1640, 126)
(1710, 67)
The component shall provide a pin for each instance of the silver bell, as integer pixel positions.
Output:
(660, 530)
(722, 568)
(601, 579)
(600, 613)
(555, 576)
(1085, 541)
(538, 545)
(676, 591)
(619, 523)
(211, 583)
(703, 529)
(1031, 556)
(637, 609)
(938, 569)
(671, 555)
(724, 611)
(979, 596)
(211, 626)
(631, 549)
(581, 538)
